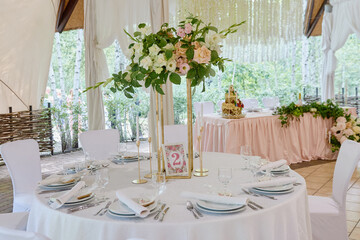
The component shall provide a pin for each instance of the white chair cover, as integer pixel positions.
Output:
(271, 102)
(328, 214)
(17, 220)
(208, 107)
(250, 103)
(100, 144)
(12, 234)
(22, 159)
(176, 134)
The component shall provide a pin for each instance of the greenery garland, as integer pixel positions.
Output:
(327, 109)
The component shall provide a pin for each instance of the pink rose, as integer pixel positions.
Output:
(343, 139)
(179, 51)
(181, 32)
(341, 126)
(196, 44)
(202, 55)
(184, 68)
(188, 28)
(341, 120)
(348, 132)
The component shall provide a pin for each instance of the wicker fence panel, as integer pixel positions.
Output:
(34, 124)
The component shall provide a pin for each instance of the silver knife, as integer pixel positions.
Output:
(159, 211)
(85, 206)
(163, 215)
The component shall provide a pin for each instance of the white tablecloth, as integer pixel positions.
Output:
(283, 219)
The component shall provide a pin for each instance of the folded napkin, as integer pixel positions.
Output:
(139, 210)
(280, 181)
(57, 202)
(56, 179)
(273, 165)
(215, 198)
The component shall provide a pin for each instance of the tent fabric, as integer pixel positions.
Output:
(26, 39)
(337, 26)
(159, 10)
(104, 23)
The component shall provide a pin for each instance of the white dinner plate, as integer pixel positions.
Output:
(118, 209)
(221, 212)
(75, 200)
(272, 193)
(81, 201)
(218, 206)
(276, 188)
(57, 187)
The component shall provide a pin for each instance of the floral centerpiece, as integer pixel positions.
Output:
(345, 128)
(190, 50)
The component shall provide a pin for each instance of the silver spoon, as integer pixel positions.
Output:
(190, 207)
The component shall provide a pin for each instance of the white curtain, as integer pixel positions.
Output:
(104, 22)
(26, 38)
(159, 10)
(336, 28)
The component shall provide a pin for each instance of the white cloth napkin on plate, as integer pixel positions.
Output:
(56, 179)
(215, 198)
(57, 202)
(280, 181)
(139, 210)
(273, 165)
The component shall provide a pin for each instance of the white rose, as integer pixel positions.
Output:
(146, 62)
(216, 38)
(313, 110)
(158, 70)
(169, 46)
(138, 47)
(356, 129)
(145, 30)
(137, 56)
(154, 50)
(171, 66)
(160, 61)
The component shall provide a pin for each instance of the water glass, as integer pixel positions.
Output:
(101, 180)
(245, 152)
(225, 176)
(158, 180)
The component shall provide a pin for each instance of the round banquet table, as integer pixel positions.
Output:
(282, 219)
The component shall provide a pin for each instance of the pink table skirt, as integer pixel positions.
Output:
(303, 140)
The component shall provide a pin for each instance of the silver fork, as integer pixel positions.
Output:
(249, 192)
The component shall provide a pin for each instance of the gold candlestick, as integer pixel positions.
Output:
(149, 174)
(201, 172)
(139, 180)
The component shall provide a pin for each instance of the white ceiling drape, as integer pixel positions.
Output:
(105, 22)
(26, 39)
(336, 28)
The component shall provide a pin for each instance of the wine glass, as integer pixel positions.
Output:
(158, 180)
(101, 180)
(245, 152)
(225, 175)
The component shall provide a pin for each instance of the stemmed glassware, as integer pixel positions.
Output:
(245, 152)
(122, 149)
(101, 180)
(225, 176)
(158, 180)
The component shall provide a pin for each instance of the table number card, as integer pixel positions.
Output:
(176, 161)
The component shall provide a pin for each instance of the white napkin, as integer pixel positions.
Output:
(215, 198)
(56, 179)
(57, 202)
(273, 165)
(139, 210)
(280, 181)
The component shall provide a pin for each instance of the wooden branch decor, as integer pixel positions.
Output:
(34, 124)
(64, 14)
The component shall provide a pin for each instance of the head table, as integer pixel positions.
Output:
(303, 140)
(281, 219)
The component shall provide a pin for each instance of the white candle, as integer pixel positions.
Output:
(202, 114)
(198, 124)
(137, 128)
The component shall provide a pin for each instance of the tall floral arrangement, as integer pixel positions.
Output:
(345, 128)
(191, 50)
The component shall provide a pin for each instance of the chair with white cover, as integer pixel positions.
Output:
(328, 214)
(13, 234)
(100, 144)
(208, 107)
(22, 159)
(16, 220)
(271, 102)
(250, 103)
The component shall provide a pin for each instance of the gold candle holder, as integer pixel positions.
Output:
(201, 172)
(139, 180)
(189, 123)
(149, 174)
